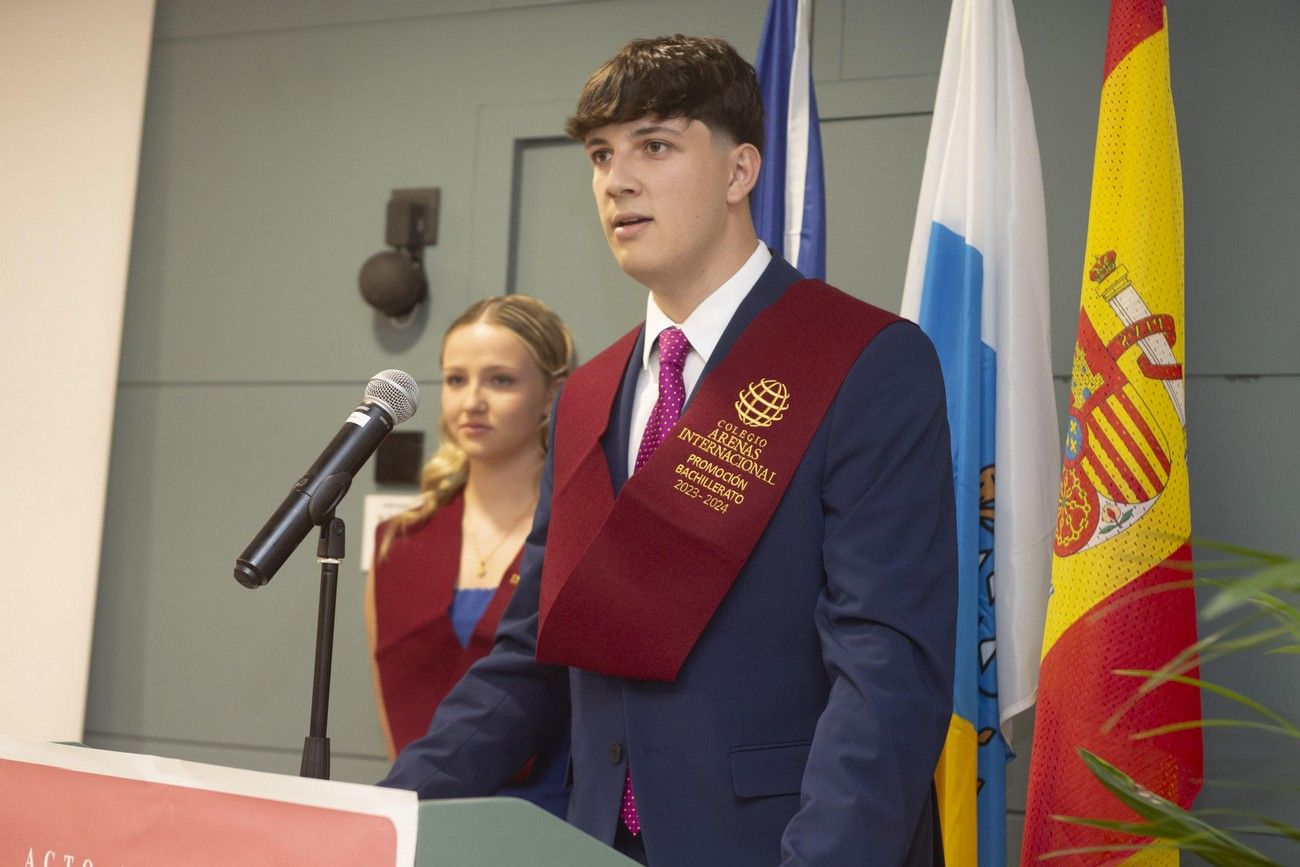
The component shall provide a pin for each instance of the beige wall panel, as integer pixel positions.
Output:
(72, 78)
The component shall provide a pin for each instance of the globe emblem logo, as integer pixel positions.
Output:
(762, 403)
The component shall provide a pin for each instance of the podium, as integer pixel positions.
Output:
(64, 804)
(491, 832)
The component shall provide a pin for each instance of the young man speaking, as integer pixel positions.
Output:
(740, 584)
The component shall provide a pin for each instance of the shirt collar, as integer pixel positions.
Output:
(704, 327)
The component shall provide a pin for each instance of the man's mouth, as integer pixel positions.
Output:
(626, 225)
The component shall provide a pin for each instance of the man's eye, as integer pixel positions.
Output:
(656, 147)
(599, 156)
(453, 379)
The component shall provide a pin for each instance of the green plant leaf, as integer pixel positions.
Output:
(1213, 724)
(1218, 645)
(1253, 555)
(1267, 587)
(1215, 688)
(1262, 786)
(1086, 850)
(1283, 830)
(1283, 575)
(1282, 611)
(1208, 648)
(1168, 821)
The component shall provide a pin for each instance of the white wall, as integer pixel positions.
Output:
(72, 85)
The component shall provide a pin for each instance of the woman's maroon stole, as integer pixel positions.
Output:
(419, 657)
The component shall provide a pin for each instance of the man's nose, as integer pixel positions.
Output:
(621, 179)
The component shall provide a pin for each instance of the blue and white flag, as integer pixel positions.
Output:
(977, 283)
(789, 201)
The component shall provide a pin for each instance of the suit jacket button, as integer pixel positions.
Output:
(615, 753)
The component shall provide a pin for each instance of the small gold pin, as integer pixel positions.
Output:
(514, 579)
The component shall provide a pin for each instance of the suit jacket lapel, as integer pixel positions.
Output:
(619, 433)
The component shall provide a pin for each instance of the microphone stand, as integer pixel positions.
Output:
(329, 553)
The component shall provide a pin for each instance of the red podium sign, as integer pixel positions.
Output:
(64, 806)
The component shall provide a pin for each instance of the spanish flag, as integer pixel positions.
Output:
(1121, 569)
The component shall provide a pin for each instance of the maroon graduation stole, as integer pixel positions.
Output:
(418, 654)
(629, 583)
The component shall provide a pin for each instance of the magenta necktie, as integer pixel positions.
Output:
(673, 347)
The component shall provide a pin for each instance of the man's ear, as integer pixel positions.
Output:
(745, 162)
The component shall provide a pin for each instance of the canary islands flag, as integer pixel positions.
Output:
(1121, 573)
(977, 283)
(789, 201)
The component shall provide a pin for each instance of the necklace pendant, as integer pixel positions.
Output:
(482, 568)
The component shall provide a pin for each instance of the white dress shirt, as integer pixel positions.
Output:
(703, 329)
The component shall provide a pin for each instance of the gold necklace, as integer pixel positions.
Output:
(484, 558)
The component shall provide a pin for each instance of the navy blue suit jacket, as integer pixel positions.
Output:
(806, 723)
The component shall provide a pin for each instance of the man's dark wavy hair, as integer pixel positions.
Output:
(696, 77)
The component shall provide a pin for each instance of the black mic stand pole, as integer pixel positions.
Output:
(329, 553)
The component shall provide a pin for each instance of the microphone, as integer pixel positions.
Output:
(391, 398)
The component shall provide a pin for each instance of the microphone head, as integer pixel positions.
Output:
(396, 391)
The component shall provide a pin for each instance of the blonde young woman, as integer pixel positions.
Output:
(446, 568)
